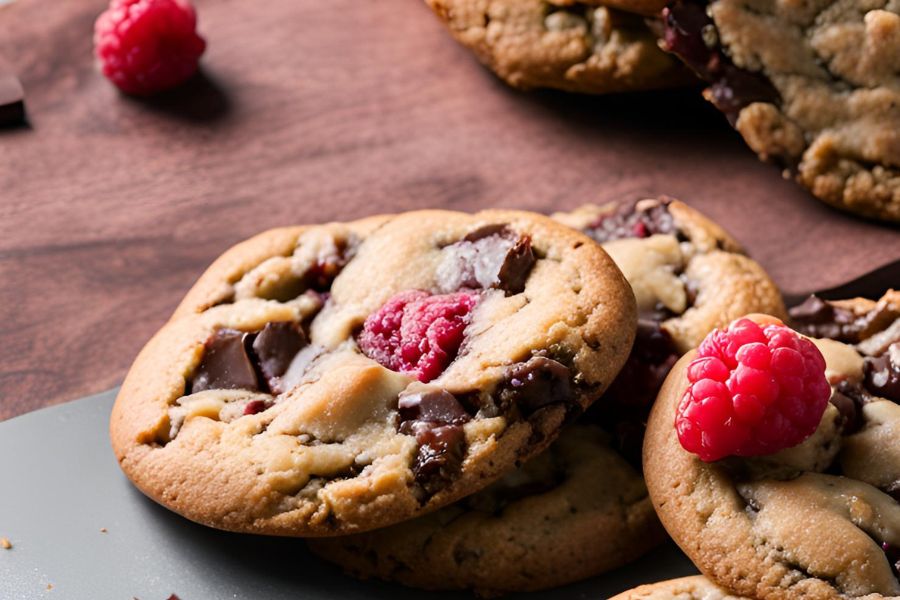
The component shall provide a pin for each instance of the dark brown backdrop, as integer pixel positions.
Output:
(311, 111)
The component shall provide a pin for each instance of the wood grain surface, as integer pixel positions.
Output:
(311, 111)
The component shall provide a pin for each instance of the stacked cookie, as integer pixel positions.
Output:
(395, 387)
(810, 517)
(811, 87)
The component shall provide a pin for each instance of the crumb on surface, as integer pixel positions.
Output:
(173, 597)
(103, 530)
(5, 543)
(49, 586)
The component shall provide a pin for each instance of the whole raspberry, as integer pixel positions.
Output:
(146, 46)
(417, 333)
(754, 390)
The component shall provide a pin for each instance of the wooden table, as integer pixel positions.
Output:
(312, 111)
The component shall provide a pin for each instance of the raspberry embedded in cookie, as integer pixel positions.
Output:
(754, 390)
(418, 333)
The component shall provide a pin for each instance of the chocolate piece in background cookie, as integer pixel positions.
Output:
(578, 46)
(811, 89)
(492, 256)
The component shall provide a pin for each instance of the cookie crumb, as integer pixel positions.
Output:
(103, 530)
(5, 544)
(173, 597)
(49, 586)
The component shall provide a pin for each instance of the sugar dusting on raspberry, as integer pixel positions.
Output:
(418, 333)
(146, 46)
(754, 390)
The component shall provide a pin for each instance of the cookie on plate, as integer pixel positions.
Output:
(575, 46)
(332, 379)
(812, 87)
(684, 588)
(760, 510)
(581, 508)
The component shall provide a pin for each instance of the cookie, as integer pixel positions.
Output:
(818, 520)
(684, 588)
(337, 378)
(581, 508)
(812, 87)
(576, 510)
(575, 46)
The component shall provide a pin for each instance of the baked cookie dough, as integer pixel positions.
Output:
(813, 87)
(819, 520)
(588, 47)
(684, 588)
(581, 508)
(331, 379)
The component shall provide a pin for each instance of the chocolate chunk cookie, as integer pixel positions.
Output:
(572, 512)
(581, 508)
(576, 46)
(818, 520)
(812, 87)
(685, 588)
(332, 379)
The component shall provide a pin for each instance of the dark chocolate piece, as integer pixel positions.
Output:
(536, 384)
(436, 406)
(435, 418)
(629, 221)
(893, 556)
(883, 374)
(275, 347)
(691, 34)
(849, 399)
(12, 100)
(893, 490)
(492, 256)
(817, 318)
(226, 364)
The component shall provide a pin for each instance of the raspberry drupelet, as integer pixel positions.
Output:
(754, 390)
(147, 46)
(417, 333)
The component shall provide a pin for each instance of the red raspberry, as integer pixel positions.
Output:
(146, 46)
(417, 333)
(754, 390)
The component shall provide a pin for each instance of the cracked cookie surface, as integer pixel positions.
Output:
(581, 508)
(813, 87)
(255, 408)
(575, 46)
(820, 520)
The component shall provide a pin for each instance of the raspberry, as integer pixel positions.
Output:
(417, 333)
(754, 390)
(146, 46)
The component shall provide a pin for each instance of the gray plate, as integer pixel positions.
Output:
(60, 486)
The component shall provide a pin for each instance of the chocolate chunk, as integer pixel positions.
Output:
(275, 347)
(435, 418)
(226, 364)
(535, 384)
(492, 256)
(639, 219)
(435, 406)
(817, 318)
(849, 399)
(440, 454)
(691, 34)
(12, 100)
(882, 374)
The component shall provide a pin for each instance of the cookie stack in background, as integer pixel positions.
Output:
(812, 88)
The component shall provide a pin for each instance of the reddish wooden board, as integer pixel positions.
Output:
(313, 111)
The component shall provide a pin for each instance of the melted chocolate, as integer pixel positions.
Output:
(691, 34)
(629, 221)
(492, 256)
(817, 318)
(882, 374)
(535, 384)
(435, 418)
(274, 348)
